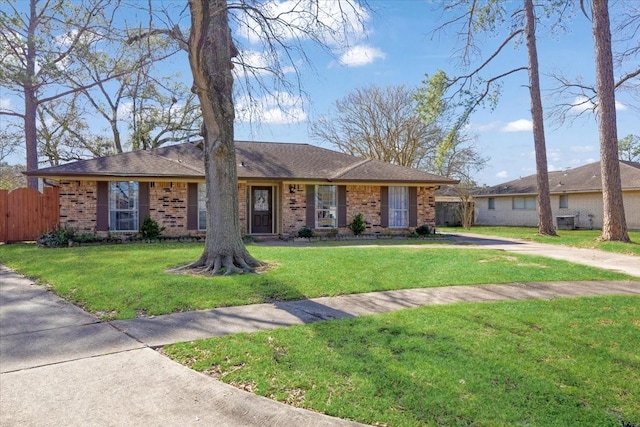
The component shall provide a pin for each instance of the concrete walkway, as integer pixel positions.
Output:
(61, 366)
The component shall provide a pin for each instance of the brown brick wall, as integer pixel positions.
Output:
(78, 205)
(427, 206)
(168, 206)
(242, 206)
(294, 208)
(364, 199)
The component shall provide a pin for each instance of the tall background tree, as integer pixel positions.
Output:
(38, 48)
(73, 65)
(471, 90)
(614, 226)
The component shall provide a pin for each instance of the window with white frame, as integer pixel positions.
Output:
(202, 206)
(492, 203)
(398, 207)
(326, 206)
(123, 206)
(564, 202)
(524, 203)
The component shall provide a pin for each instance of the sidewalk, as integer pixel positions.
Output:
(62, 366)
(621, 263)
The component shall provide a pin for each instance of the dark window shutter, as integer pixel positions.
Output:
(413, 207)
(102, 206)
(384, 206)
(311, 206)
(143, 201)
(192, 206)
(342, 206)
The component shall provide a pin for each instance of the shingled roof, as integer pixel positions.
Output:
(583, 179)
(255, 160)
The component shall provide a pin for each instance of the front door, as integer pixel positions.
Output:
(261, 210)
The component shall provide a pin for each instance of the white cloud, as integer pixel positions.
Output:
(260, 63)
(125, 110)
(484, 127)
(276, 108)
(502, 174)
(522, 125)
(582, 148)
(5, 104)
(361, 55)
(553, 154)
(582, 104)
(335, 23)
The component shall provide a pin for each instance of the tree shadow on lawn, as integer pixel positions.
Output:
(421, 374)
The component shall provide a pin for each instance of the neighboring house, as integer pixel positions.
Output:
(282, 188)
(576, 199)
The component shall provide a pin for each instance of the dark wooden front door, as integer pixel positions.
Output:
(261, 210)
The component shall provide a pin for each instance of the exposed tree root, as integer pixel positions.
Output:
(221, 264)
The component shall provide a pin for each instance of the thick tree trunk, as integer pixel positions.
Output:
(210, 51)
(545, 216)
(614, 225)
(30, 102)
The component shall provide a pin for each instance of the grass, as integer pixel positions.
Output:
(564, 362)
(126, 281)
(575, 238)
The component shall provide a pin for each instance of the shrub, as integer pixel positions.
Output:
(358, 225)
(305, 232)
(60, 236)
(150, 228)
(423, 230)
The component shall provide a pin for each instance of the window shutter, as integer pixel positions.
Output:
(143, 201)
(311, 206)
(342, 206)
(413, 207)
(102, 206)
(384, 206)
(192, 206)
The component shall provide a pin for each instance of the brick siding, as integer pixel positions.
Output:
(168, 206)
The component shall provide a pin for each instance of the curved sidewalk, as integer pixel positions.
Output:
(62, 366)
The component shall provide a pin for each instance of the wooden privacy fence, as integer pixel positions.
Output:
(26, 214)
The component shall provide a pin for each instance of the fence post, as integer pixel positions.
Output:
(4, 215)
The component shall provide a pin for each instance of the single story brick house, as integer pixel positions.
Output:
(282, 188)
(576, 199)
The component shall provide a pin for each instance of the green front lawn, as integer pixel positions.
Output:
(564, 362)
(576, 238)
(125, 281)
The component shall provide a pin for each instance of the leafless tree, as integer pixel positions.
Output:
(382, 123)
(38, 48)
(11, 176)
(378, 123)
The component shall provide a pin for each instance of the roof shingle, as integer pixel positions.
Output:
(255, 160)
(583, 179)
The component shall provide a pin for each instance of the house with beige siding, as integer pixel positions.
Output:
(576, 199)
(282, 188)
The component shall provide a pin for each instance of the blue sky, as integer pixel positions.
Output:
(397, 47)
